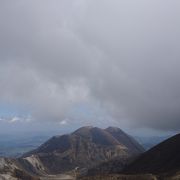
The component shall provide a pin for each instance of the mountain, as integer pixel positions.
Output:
(163, 158)
(84, 148)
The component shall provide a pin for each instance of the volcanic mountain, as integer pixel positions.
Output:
(84, 148)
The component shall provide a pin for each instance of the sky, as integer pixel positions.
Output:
(70, 63)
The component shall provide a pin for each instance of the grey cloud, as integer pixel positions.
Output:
(122, 55)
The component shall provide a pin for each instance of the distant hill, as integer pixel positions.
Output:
(163, 158)
(85, 148)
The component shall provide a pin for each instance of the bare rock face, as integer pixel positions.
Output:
(10, 169)
(85, 148)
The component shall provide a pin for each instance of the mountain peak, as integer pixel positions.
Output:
(83, 129)
(113, 129)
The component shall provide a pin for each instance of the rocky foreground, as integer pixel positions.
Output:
(132, 177)
(121, 177)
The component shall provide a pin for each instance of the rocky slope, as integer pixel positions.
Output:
(11, 169)
(132, 145)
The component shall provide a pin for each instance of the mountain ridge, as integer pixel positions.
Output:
(86, 144)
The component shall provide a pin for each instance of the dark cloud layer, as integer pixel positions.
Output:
(120, 56)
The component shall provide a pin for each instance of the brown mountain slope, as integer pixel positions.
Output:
(125, 139)
(163, 158)
(85, 148)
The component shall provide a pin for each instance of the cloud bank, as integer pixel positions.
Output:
(118, 56)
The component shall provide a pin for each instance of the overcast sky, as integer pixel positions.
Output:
(110, 62)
